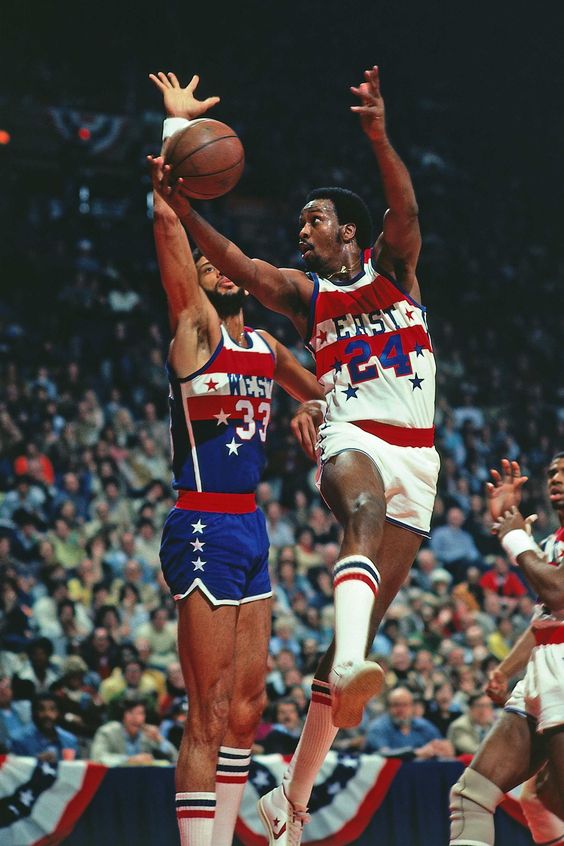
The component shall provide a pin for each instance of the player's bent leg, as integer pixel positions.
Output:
(545, 827)
(509, 755)
(245, 711)
(206, 643)
(353, 489)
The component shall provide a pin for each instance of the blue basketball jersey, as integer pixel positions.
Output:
(219, 417)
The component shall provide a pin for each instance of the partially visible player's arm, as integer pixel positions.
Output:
(302, 385)
(397, 248)
(283, 291)
(188, 307)
(546, 579)
(513, 663)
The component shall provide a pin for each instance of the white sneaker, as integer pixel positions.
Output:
(283, 821)
(352, 685)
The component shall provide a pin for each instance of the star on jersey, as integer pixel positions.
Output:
(211, 385)
(199, 527)
(222, 418)
(321, 337)
(198, 545)
(416, 382)
(337, 365)
(409, 313)
(233, 447)
(419, 349)
(198, 564)
(350, 392)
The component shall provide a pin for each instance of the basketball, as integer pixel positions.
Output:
(209, 157)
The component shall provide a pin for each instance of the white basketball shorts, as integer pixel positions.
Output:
(409, 473)
(540, 694)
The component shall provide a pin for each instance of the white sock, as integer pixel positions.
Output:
(195, 814)
(231, 776)
(317, 736)
(355, 582)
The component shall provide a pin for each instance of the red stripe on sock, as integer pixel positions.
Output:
(359, 577)
(231, 779)
(321, 698)
(189, 813)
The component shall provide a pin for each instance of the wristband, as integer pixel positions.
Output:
(517, 541)
(172, 125)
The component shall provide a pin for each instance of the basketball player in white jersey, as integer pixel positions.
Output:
(357, 309)
(531, 729)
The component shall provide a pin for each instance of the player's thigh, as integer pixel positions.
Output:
(206, 647)
(555, 747)
(548, 789)
(394, 560)
(251, 648)
(352, 487)
(511, 753)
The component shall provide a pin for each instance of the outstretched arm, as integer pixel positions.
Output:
(285, 291)
(398, 247)
(546, 579)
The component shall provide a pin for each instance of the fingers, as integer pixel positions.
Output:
(193, 84)
(373, 78)
(164, 79)
(174, 80)
(209, 102)
(158, 82)
(495, 476)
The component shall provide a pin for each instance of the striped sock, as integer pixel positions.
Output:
(317, 736)
(231, 776)
(195, 814)
(355, 582)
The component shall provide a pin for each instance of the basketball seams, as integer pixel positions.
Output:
(202, 147)
(216, 172)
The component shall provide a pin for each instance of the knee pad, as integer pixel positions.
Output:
(473, 800)
(545, 826)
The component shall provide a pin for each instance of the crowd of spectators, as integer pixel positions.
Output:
(88, 662)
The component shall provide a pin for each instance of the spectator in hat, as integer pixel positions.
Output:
(81, 707)
(440, 582)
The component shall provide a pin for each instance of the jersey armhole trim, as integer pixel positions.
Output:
(377, 269)
(201, 369)
(311, 316)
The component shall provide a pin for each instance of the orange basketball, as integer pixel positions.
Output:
(209, 157)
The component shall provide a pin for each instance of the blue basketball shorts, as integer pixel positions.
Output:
(224, 555)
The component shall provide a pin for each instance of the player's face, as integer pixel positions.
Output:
(211, 279)
(319, 234)
(555, 479)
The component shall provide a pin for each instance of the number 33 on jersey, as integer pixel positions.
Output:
(219, 417)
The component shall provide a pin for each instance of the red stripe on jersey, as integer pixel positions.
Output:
(409, 335)
(360, 577)
(548, 635)
(206, 407)
(398, 435)
(243, 363)
(373, 296)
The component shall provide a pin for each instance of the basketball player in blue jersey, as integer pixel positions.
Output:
(357, 308)
(214, 549)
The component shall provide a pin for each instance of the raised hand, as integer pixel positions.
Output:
(371, 111)
(178, 101)
(507, 522)
(505, 490)
(171, 194)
